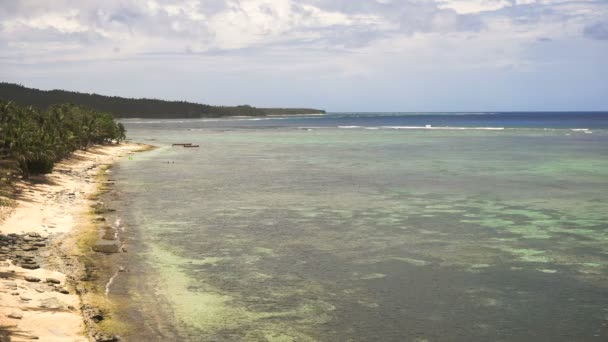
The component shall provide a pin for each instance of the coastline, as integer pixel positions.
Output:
(47, 290)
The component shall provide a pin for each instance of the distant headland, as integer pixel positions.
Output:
(121, 107)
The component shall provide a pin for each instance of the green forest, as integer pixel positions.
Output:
(122, 107)
(33, 140)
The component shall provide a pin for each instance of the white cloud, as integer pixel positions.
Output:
(313, 39)
(184, 26)
(474, 6)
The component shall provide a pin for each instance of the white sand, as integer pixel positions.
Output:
(54, 205)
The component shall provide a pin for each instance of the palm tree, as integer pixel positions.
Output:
(36, 139)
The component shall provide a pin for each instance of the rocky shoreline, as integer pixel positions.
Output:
(22, 250)
(50, 254)
(29, 251)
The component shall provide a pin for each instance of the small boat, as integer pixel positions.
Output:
(190, 145)
(182, 144)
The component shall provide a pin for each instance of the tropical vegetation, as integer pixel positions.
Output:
(122, 107)
(33, 140)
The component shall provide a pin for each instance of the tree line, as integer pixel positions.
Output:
(33, 140)
(135, 108)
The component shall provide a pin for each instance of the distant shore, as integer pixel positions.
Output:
(45, 251)
(124, 108)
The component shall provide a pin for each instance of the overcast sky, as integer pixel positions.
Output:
(340, 55)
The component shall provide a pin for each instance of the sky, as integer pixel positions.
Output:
(338, 55)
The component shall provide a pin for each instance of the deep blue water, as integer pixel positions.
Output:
(589, 120)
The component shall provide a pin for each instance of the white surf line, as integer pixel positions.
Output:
(429, 127)
(584, 130)
(446, 128)
(107, 291)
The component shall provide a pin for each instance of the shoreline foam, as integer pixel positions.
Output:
(54, 207)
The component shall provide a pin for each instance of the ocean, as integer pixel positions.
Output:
(366, 227)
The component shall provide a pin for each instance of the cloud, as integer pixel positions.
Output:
(598, 31)
(72, 29)
(349, 41)
(209, 25)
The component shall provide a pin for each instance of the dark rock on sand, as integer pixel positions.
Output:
(92, 313)
(29, 248)
(15, 315)
(30, 266)
(106, 247)
(31, 279)
(104, 337)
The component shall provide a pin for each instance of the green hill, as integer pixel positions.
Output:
(122, 107)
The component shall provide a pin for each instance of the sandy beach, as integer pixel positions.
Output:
(39, 252)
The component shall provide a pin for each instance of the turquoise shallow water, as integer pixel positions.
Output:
(367, 235)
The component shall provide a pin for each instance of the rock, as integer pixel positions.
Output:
(25, 299)
(104, 247)
(21, 255)
(109, 233)
(29, 248)
(31, 267)
(104, 337)
(92, 313)
(31, 279)
(51, 303)
(10, 285)
(15, 315)
(53, 281)
(63, 291)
